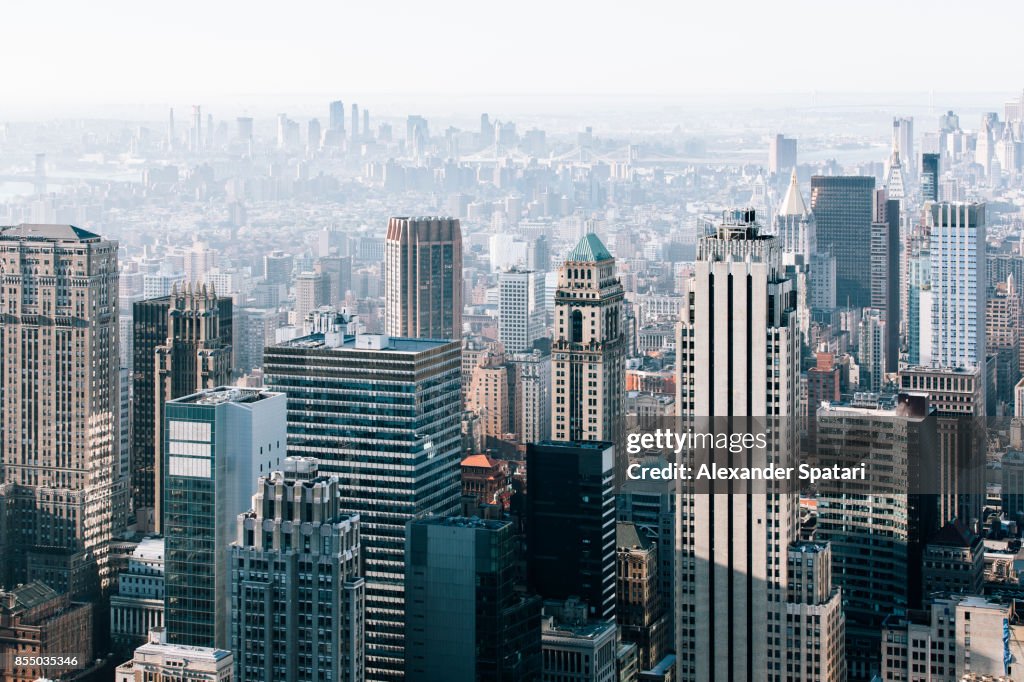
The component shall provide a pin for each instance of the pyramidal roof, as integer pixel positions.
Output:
(793, 202)
(589, 250)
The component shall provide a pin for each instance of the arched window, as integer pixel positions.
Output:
(576, 332)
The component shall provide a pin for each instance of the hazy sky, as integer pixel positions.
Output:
(120, 52)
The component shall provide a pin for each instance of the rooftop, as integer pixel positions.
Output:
(626, 537)
(27, 597)
(589, 250)
(793, 203)
(462, 522)
(226, 394)
(349, 343)
(482, 461)
(47, 233)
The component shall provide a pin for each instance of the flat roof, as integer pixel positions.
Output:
(395, 344)
(226, 394)
(47, 232)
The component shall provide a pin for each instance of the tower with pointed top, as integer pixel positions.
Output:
(588, 355)
(181, 344)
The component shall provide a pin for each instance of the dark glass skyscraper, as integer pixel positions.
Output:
(929, 177)
(570, 523)
(842, 207)
(464, 621)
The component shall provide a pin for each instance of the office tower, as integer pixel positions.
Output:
(872, 349)
(486, 131)
(313, 135)
(520, 309)
(538, 253)
(366, 125)
(570, 523)
(781, 154)
(196, 133)
(1012, 488)
(38, 624)
(530, 377)
(795, 228)
(414, 386)
(218, 442)
(161, 661)
(338, 272)
(277, 267)
(417, 134)
(1002, 339)
(895, 180)
(903, 143)
(243, 126)
(953, 562)
(885, 272)
(918, 293)
(355, 122)
(152, 329)
(490, 395)
(297, 594)
(738, 352)
(60, 431)
(960, 638)
(952, 321)
(958, 398)
(138, 606)
(588, 353)
(877, 526)
(929, 177)
(823, 384)
(337, 115)
(311, 292)
(814, 617)
(464, 620)
(640, 609)
(170, 130)
(199, 261)
(195, 355)
(842, 207)
(423, 278)
(573, 647)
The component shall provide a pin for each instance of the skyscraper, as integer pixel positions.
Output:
(423, 278)
(885, 273)
(929, 177)
(903, 142)
(956, 323)
(391, 431)
(589, 350)
(814, 617)
(464, 620)
(61, 403)
(337, 115)
(182, 344)
(781, 154)
(738, 351)
(570, 523)
(297, 595)
(842, 207)
(218, 442)
(520, 309)
(640, 609)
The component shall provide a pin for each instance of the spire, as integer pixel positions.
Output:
(793, 202)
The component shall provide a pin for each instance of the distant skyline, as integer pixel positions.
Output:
(79, 59)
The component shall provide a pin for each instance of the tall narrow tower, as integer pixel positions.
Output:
(588, 355)
(60, 421)
(423, 278)
(738, 350)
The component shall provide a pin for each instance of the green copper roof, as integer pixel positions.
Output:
(589, 250)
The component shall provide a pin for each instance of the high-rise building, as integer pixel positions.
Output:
(885, 273)
(521, 316)
(355, 122)
(337, 270)
(464, 620)
(423, 278)
(929, 177)
(530, 376)
(490, 395)
(160, 661)
(953, 562)
(876, 526)
(903, 142)
(182, 344)
(872, 349)
(842, 207)
(277, 267)
(952, 316)
(738, 357)
(388, 475)
(814, 617)
(297, 594)
(218, 442)
(311, 292)
(336, 120)
(589, 350)
(570, 523)
(795, 228)
(313, 135)
(640, 610)
(61, 403)
(1002, 339)
(781, 154)
(574, 648)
